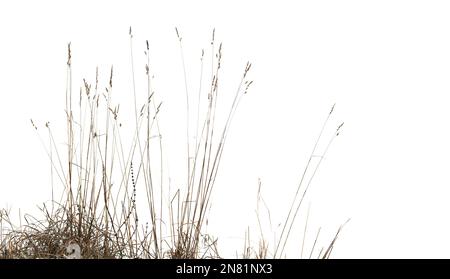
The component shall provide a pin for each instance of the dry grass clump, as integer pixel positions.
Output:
(50, 237)
(102, 177)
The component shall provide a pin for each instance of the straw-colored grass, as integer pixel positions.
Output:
(98, 209)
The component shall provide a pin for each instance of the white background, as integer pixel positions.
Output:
(385, 63)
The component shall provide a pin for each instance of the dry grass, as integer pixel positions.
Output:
(98, 208)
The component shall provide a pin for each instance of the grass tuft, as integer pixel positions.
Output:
(101, 178)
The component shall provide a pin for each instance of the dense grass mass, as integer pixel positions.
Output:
(98, 211)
